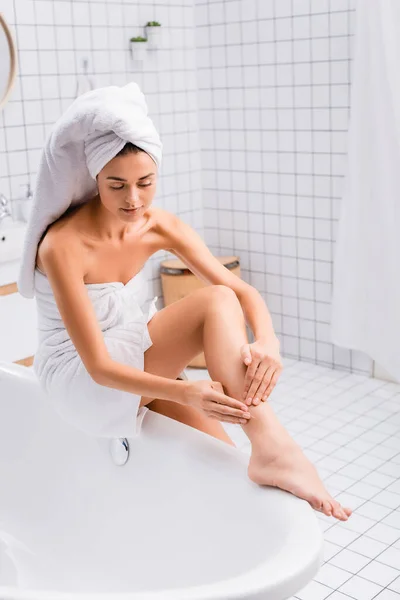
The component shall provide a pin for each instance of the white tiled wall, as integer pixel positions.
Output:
(269, 82)
(274, 82)
(52, 39)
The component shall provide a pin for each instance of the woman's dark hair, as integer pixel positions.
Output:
(129, 148)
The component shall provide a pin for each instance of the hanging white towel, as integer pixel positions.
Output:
(88, 135)
(366, 285)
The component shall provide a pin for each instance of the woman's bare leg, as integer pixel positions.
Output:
(173, 349)
(214, 321)
(276, 459)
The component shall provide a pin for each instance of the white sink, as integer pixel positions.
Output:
(12, 235)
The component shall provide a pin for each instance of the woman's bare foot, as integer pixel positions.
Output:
(286, 467)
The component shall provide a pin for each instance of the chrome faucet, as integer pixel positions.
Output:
(4, 207)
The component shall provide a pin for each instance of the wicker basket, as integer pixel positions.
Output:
(178, 281)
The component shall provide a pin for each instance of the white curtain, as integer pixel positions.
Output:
(366, 283)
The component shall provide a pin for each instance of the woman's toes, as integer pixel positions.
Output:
(339, 512)
(316, 503)
(327, 508)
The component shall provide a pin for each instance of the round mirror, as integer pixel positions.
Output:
(8, 62)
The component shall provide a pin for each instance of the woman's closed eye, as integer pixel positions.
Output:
(139, 185)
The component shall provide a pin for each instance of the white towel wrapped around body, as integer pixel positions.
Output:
(123, 312)
(88, 135)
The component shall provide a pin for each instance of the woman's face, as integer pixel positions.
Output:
(128, 182)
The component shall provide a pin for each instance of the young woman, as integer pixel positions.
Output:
(107, 240)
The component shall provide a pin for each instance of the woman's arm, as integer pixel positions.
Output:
(187, 244)
(257, 315)
(262, 357)
(63, 264)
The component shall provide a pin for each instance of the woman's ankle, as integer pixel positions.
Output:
(264, 427)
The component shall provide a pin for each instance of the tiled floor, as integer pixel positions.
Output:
(349, 426)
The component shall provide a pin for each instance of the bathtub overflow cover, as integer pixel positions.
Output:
(119, 450)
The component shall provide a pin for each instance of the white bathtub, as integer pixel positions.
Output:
(180, 520)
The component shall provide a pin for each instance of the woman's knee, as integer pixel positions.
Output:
(222, 295)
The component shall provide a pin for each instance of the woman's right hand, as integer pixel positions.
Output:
(209, 397)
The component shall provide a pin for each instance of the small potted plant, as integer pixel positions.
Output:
(138, 47)
(153, 34)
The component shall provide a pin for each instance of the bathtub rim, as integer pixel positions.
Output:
(294, 566)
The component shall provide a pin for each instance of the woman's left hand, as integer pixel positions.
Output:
(264, 368)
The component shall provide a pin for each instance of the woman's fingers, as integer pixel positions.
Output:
(226, 418)
(257, 382)
(272, 384)
(250, 374)
(227, 410)
(260, 391)
(223, 399)
(225, 405)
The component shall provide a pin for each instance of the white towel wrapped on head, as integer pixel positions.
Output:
(92, 130)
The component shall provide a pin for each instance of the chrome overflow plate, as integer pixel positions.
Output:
(119, 450)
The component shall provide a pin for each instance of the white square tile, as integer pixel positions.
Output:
(367, 460)
(373, 510)
(388, 499)
(283, 27)
(44, 13)
(395, 585)
(341, 536)
(339, 48)
(380, 480)
(389, 468)
(392, 520)
(28, 62)
(391, 557)
(359, 523)
(332, 576)
(379, 573)
(350, 500)
(314, 591)
(363, 490)
(349, 561)
(368, 547)
(387, 595)
(330, 549)
(354, 471)
(266, 10)
(301, 27)
(17, 162)
(338, 596)
(26, 37)
(25, 12)
(301, 7)
(15, 137)
(384, 533)
(320, 24)
(395, 487)
(283, 8)
(338, 21)
(360, 589)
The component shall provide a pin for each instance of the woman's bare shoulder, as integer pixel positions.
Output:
(163, 221)
(170, 228)
(61, 236)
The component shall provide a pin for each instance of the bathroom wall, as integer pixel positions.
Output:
(54, 36)
(274, 81)
(269, 82)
